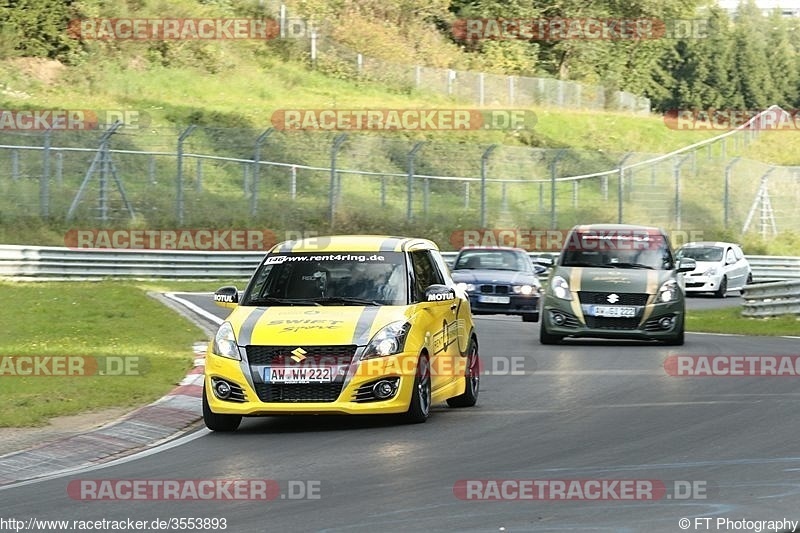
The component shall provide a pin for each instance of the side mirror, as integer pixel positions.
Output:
(687, 264)
(439, 293)
(227, 297)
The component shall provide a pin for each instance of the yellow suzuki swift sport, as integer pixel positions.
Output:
(343, 324)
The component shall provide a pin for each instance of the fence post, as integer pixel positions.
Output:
(726, 198)
(553, 169)
(417, 76)
(466, 195)
(541, 197)
(620, 186)
(179, 179)
(677, 174)
(383, 191)
(282, 19)
(484, 160)
(313, 48)
(14, 165)
(359, 63)
(337, 144)
(481, 88)
(451, 76)
(410, 157)
(60, 168)
(44, 181)
(198, 182)
(511, 90)
(575, 194)
(257, 169)
(293, 185)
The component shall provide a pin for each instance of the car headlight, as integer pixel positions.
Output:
(468, 287)
(525, 290)
(225, 342)
(388, 341)
(561, 288)
(668, 291)
(711, 272)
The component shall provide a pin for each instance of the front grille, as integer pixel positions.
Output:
(314, 355)
(494, 289)
(335, 355)
(604, 322)
(694, 284)
(299, 392)
(625, 298)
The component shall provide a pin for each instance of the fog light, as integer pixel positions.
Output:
(558, 318)
(666, 322)
(383, 389)
(222, 390)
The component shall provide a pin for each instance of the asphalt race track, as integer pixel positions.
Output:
(579, 411)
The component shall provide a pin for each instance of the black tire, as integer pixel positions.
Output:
(530, 317)
(472, 379)
(545, 337)
(420, 407)
(723, 288)
(677, 339)
(217, 422)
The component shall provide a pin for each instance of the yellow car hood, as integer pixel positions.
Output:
(323, 325)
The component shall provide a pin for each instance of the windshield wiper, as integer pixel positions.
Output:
(630, 265)
(346, 300)
(272, 300)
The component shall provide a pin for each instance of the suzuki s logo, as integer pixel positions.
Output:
(612, 298)
(298, 355)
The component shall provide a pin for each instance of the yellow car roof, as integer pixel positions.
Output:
(354, 243)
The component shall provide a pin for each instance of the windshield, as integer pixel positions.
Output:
(493, 260)
(338, 278)
(617, 249)
(702, 253)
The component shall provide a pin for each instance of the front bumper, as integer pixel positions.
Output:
(649, 323)
(351, 399)
(517, 305)
(702, 283)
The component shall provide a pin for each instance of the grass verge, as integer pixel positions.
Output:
(89, 320)
(730, 320)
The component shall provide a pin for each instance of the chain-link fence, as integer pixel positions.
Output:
(476, 88)
(214, 177)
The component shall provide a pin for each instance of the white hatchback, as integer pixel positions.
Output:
(721, 267)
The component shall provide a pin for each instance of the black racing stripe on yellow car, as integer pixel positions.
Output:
(390, 244)
(364, 324)
(249, 324)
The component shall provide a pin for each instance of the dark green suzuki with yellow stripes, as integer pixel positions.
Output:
(615, 281)
(342, 325)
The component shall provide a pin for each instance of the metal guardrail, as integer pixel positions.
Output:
(772, 299)
(56, 263)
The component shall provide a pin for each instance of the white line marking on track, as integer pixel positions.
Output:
(193, 307)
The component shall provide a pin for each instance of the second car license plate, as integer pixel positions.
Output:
(614, 311)
(484, 299)
(299, 374)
